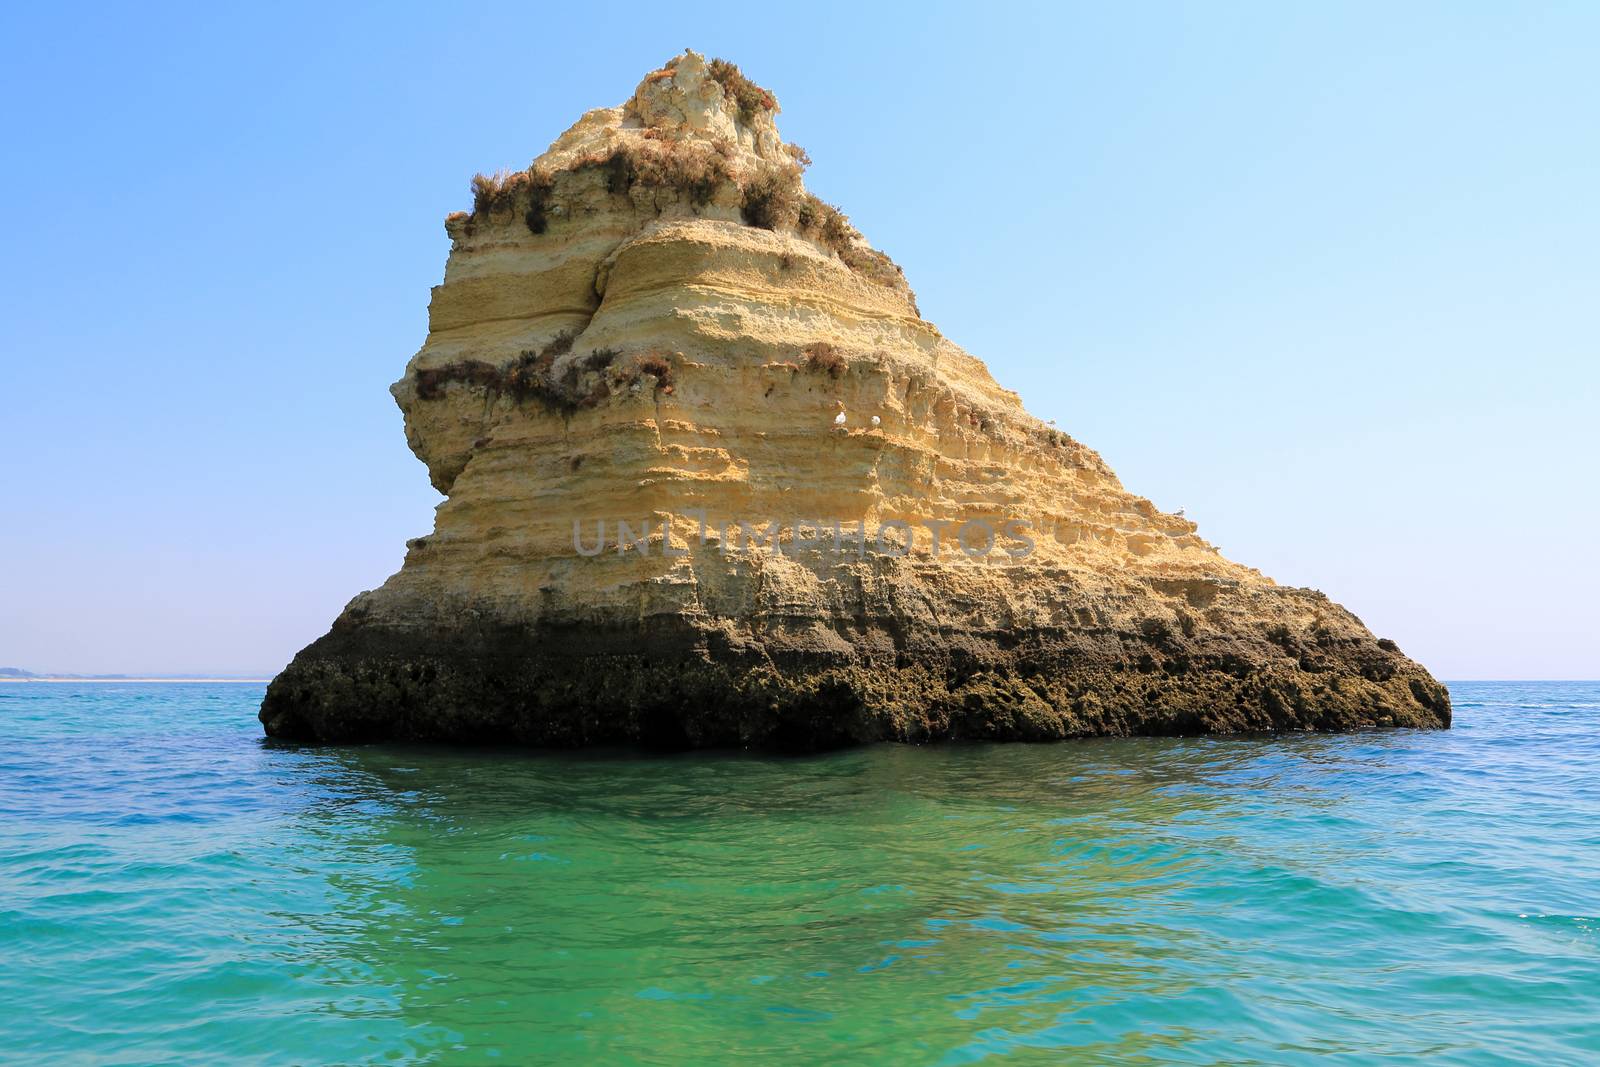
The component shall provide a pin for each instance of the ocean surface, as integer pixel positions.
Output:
(175, 889)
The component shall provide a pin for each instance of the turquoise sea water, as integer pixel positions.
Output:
(175, 889)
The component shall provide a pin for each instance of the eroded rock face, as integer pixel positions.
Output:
(656, 326)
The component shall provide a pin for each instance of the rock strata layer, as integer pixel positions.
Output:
(712, 480)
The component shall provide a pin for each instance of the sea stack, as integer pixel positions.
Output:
(712, 480)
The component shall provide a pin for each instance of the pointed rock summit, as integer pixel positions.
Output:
(713, 481)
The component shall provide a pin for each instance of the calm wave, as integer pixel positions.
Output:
(173, 888)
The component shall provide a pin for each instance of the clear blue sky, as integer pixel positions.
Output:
(1328, 276)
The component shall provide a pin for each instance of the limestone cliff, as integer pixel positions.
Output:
(713, 480)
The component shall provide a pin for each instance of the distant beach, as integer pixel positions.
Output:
(106, 681)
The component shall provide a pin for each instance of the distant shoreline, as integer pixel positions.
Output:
(113, 681)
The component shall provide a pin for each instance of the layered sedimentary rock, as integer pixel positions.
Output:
(713, 480)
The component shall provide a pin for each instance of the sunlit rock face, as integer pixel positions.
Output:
(712, 480)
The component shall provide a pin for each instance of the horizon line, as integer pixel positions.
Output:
(61, 678)
(67, 678)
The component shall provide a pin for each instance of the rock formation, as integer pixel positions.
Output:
(713, 480)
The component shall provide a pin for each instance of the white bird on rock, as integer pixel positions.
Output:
(838, 420)
(876, 421)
